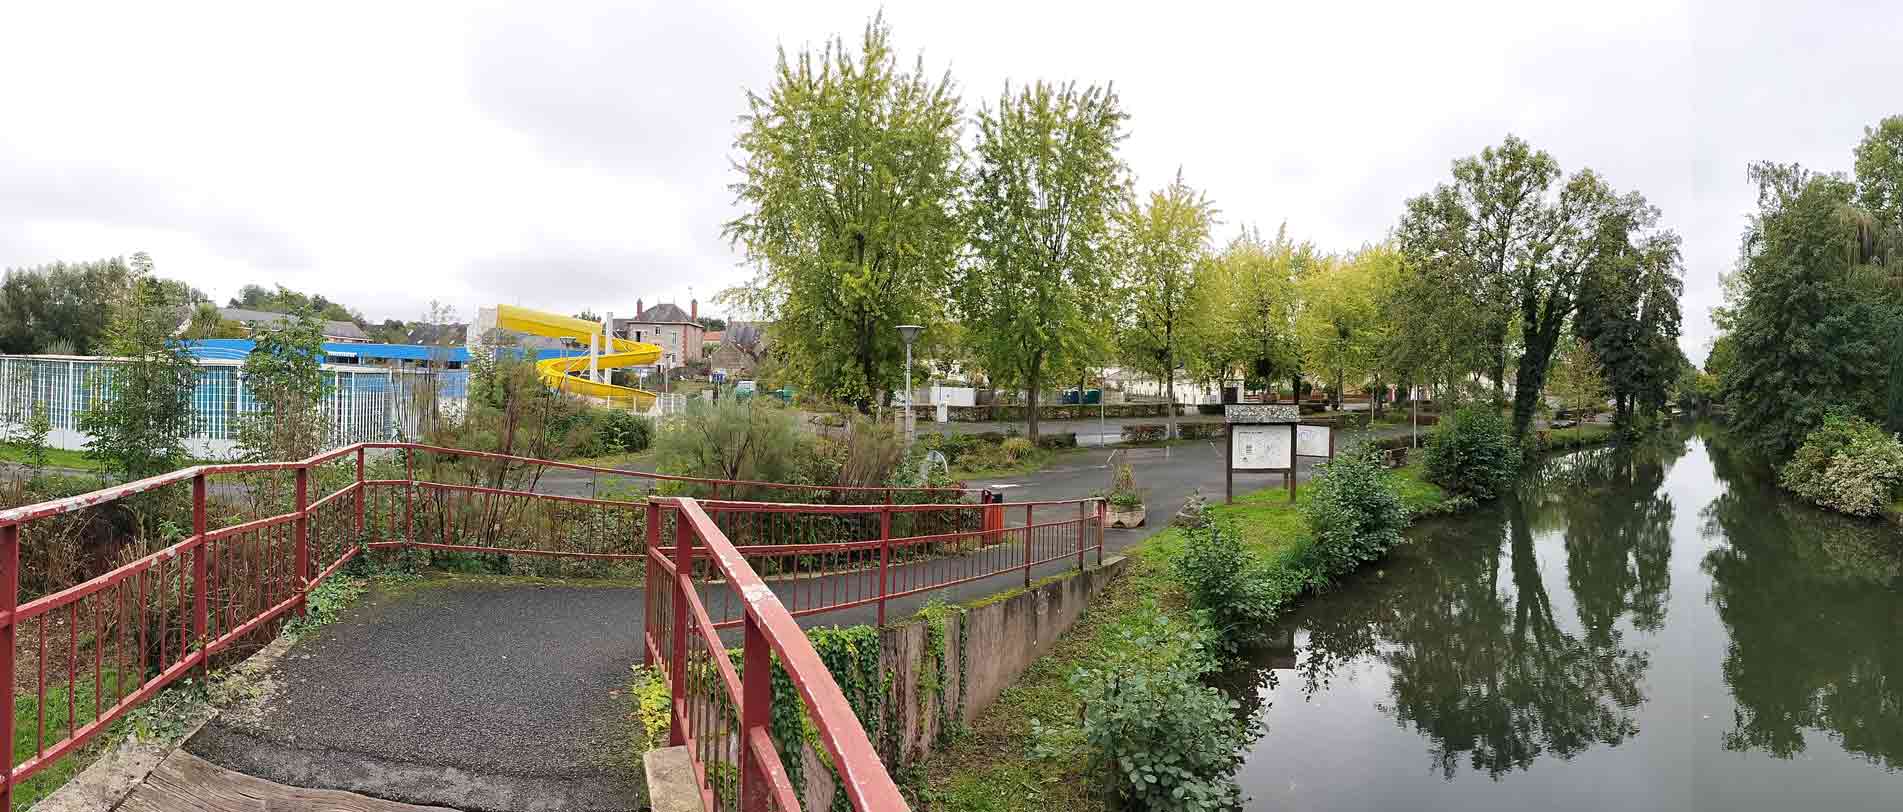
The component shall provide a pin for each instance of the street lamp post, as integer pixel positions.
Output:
(909, 332)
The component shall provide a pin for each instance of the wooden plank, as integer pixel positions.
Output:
(186, 783)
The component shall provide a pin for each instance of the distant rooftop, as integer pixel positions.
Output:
(664, 314)
(332, 329)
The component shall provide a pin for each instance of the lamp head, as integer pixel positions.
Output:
(910, 332)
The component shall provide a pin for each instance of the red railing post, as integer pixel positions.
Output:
(1081, 518)
(1102, 507)
(1027, 546)
(885, 556)
(653, 533)
(201, 566)
(756, 689)
(409, 497)
(9, 601)
(360, 493)
(677, 661)
(301, 537)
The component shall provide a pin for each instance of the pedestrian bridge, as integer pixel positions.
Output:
(492, 693)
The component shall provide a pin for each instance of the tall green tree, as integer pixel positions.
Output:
(1160, 245)
(1512, 241)
(1629, 314)
(1250, 320)
(1467, 239)
(60, 304)
(1341, 323)
(1046, 189)
(142, 406)
(1879, 167)
(850, 170)
(1806, 337)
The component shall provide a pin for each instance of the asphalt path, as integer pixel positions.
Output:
(501, 694)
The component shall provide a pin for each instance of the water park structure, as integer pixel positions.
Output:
(606, 352)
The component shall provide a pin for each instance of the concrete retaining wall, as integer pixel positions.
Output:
(984, 650)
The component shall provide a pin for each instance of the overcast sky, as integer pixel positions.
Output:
(564, 155)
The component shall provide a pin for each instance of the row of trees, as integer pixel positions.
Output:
(1028, 255)
(1813, 314)
(66, 308)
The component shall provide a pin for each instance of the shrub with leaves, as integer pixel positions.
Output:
(1847, 464)
(1355, 511)
(284, 374)
(1474, 454)
(31, 436)
(1234, 595)
(736, 439)
(1171, 742)
(618, 431)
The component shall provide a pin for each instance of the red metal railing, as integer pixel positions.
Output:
(722, 715)
(89, 653)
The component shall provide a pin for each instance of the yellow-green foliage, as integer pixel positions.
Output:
(648, 709)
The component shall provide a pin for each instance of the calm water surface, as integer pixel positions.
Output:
(1635, 629)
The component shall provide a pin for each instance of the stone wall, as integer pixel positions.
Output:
(952, 665)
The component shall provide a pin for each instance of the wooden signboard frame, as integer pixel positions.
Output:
(1259, 414)
(1254, 414)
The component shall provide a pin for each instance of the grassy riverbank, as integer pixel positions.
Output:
(993, 768)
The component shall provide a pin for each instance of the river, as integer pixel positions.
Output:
(1646, 628)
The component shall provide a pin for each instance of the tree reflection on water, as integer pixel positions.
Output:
(1477, 660)
(1810, 601)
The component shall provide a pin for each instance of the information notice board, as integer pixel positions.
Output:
(1267, 438)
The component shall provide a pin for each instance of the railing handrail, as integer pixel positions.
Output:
(54, 507)
(861, 773)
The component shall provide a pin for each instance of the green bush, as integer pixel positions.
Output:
(1015, 448)
(1234, 596)
(1847, 464)
(618, 431)
(1355, 511)
(1473, 455)
(736, 439)
(1171, 742)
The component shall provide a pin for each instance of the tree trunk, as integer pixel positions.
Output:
(1526, 394)
(1169, 387)
(1035, 379)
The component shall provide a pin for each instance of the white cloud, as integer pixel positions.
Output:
(576, 154)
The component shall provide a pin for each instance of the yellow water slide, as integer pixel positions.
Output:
(620, 353)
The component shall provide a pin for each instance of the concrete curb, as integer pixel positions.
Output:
(670, 776)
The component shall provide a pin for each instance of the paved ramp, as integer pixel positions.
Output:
(473, 693)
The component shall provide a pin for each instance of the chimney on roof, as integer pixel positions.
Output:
(693, 309)
(638, 309)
